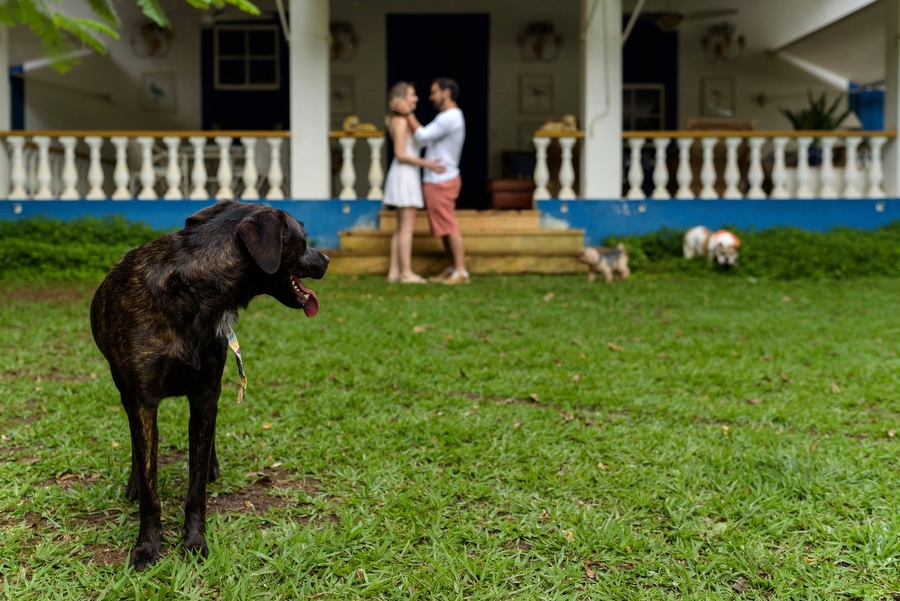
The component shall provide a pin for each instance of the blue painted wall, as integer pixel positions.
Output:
(599, 218)
(323, 218)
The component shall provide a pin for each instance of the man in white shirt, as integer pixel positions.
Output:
(443, 139)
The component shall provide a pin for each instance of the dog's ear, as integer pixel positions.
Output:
(261, 234)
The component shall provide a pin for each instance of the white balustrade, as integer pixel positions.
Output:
(275, 175)
(566, 169)
(541, 170)
(755, 174)
(876, 168)
(43, 175)
(804, 190)
(661, 170)
(199, 174)
(348, 171)
(95, 170)
(69, 175)
(708, 170)
(224, 173)
(250, 176)
(827, 176)
(376, 173)
(147, 174)
(17, 173)
(635, 170)
(173, 169)
(684, 175)
(732, 175)
(779, 169)
(851, 169)
(121, 174)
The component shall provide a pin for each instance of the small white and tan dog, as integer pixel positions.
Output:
(611, 262)
(721, 245)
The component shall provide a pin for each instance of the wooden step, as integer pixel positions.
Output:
(359, 263)
(471, 221)
(510, 242)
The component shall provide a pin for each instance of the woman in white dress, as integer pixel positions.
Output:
(403, 186)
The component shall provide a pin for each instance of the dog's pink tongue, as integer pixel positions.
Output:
(312, 303)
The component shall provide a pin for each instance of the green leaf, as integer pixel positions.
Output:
(154, 12)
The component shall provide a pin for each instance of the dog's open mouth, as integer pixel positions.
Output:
(309, 302)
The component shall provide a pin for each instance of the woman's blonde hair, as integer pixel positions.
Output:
(398, 90)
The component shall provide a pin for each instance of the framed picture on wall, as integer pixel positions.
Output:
(536, 94)
(343, 96)
(717, 96)
(158, 93)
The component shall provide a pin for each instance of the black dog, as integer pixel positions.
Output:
(161, 318)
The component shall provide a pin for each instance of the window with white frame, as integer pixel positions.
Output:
(246, 57)
(643, 106)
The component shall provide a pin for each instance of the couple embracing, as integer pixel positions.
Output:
(438, 187)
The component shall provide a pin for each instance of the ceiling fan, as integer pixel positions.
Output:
(669, 20)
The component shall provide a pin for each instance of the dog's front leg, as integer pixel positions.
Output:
(201, 440)
(592, 275)
(145, 445)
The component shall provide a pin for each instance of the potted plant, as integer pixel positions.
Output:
(818, 116)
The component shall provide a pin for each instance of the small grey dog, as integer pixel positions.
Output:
(612, 262)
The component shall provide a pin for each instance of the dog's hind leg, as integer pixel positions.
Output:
(201, 440)
(145, 445)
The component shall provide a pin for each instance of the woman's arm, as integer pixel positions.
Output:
(400, 132)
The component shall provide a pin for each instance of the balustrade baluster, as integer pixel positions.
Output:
(348, 169)
(851, 168)
(684, 175)
(541, 171)
(147, 175)
(173, 169)
(121, 174)
(804, 190)
(732, 174)
(755, 174)
(661, 170)
(635, 170)
(566, 170)
(199, 175)
(876, 168)
(69, 174)
(376, 172)
(43, 176)
(224, 174)
(827, 175)
(251, 174)
(17, 175)
(95, 170)
(275, 174)
(779, 169)
(708, 170)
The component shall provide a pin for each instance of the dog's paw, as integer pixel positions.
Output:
(196, 545)
(144, 555)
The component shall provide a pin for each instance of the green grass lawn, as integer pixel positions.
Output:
(521, 437)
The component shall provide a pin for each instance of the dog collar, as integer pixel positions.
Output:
(242, 379)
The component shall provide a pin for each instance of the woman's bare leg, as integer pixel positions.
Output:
(394, 268)
(406, 222)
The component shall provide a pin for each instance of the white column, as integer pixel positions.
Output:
(251, 173)
(348, 171)
(541, 171)
(892, 94)
(43, 176)
(684, 175)
(198, 171)
(635, 169)
(275, 175)
(95, 170)
(755, 173)
(827, 175)
(224, 172)
(708, 170)
(661, 170)
(121, 174)
(5, 110)
(310, 171)
(17, 175)
(876, 169)
(147, 175)
(779, 170)
(601, 97)
(851, 169)
(804, 190)
(732, 174)
(173, 169)
(566, 171)
(376, 172)
(69, 175)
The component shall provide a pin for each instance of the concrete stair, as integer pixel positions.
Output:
(496, 242)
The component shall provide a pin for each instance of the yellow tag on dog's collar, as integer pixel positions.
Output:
(242, 379)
